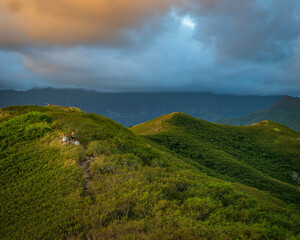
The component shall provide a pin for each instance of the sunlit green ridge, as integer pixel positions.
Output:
(264, 155)
(118, 185)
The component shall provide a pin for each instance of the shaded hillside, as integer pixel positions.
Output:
(265, 155)
(117, 185)
(286, 111)
(134, 108)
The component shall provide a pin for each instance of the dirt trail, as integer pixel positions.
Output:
(85, 165)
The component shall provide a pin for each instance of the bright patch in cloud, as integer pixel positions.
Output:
(188, 22)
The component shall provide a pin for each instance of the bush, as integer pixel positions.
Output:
(98, 148)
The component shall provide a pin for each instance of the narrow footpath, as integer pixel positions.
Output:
(85, 165)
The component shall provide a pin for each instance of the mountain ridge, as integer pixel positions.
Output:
(118, 185)
(287, 101)
(133, 108)
(285, 110)
(189, 137)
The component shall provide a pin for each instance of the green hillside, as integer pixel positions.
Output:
(265, 155)
(117, 185)
(286, 111)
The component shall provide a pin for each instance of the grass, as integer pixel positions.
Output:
(138, 189)
(256, 155)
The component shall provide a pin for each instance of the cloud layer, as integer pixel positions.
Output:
(66, 22)
(246, 46)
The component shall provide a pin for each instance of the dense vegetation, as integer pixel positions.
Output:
(264, 155)
(133, 108)
(286, 111)
(117, 185)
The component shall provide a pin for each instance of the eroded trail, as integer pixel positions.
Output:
(85, 165)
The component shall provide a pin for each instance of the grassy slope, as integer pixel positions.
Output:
(137, 188)
(263, 155)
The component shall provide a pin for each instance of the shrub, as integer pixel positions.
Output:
(98, 148)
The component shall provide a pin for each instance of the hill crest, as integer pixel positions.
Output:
(255, 151)
(160, 124)
(117, 185)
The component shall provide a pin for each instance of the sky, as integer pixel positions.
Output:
(222, 46)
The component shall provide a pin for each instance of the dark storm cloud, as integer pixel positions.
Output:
(252, 30)
(245, 46)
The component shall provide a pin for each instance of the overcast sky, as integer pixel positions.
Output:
(223, 46)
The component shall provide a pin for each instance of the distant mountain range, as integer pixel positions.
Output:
(133, 108)
(286, 111)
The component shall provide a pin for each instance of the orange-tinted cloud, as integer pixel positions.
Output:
(69, 22)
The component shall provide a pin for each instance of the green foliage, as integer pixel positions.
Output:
(117, 185)
(37, 192)
(98, 148)
(256, 155)
(22, 128)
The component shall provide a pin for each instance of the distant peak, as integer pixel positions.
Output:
(288, 101)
